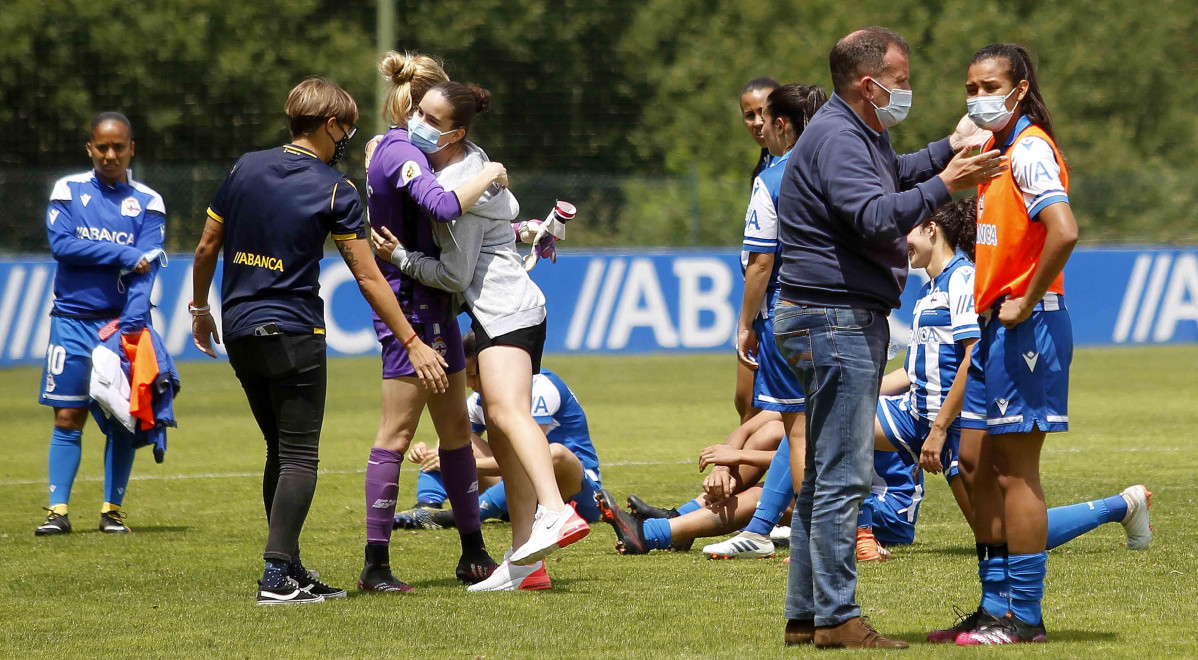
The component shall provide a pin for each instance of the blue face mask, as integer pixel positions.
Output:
(423, 136)
(895, 111)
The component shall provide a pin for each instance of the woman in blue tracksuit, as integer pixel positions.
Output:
(105, 231)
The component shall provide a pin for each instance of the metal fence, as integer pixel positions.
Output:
(622, 210)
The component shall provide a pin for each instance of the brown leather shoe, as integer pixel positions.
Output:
(800, 631)
(856, 633)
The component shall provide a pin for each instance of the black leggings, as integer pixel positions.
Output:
(284, 378)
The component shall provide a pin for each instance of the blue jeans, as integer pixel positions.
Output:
(838, 356)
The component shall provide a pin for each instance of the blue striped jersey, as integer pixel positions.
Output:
(761, 225)
(553, 406)
(944, 315)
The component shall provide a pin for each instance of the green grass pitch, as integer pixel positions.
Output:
(183, 583)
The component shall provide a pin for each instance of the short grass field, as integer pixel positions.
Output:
(183, 583)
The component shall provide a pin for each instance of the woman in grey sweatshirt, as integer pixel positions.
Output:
(479, 263)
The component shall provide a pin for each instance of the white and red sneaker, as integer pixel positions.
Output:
(510, 577)
(550, 531)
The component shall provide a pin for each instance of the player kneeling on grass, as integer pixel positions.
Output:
(560, 416)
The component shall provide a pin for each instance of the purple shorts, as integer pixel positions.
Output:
(445, 338)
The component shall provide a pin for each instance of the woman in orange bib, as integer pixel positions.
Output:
(1018, 385)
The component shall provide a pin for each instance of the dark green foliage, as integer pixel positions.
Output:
(600, 102)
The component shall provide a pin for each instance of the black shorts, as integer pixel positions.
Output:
(532, 340)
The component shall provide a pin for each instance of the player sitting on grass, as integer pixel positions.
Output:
(730, 495)
(738, 466)
(561, 417)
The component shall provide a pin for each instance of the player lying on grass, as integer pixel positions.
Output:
(561, 417)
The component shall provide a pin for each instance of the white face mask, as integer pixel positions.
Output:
(896, 110)
(990, 112)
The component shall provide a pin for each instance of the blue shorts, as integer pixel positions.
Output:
(1019, 378)
(893, 518)
(906, 432)
(775, 386)
(66, 376)
(584, 501)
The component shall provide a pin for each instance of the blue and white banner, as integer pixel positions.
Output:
(641, 301)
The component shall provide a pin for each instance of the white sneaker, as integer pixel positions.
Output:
(780, 535)
(1136, 523)
(746, 545)
(550, 531)
(509, 577)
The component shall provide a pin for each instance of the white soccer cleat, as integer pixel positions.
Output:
(510, 577)
(1136, 523)
(746, 545)
(780, 535)
(551, 531)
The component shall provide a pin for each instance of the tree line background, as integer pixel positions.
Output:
(629, 109)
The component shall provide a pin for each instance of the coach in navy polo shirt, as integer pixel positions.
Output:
(271, 216)
(846, 204)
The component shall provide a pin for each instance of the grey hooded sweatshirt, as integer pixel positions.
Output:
(479, 261)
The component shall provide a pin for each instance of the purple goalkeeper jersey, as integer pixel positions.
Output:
(403, 195)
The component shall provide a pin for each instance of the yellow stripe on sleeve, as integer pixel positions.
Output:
(344, 237)
(215, 216)
(334, 199)
(318, 331)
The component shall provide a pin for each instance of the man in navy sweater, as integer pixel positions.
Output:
(846, 204)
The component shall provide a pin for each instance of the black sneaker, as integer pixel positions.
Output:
(630, 531)
(418, 517)
(310, 582)
(56, 523)
(965, 623)
(379, 578)
(685, 546)
(288, 594)
(475, 566)
(1007, 630)
(642, 509)
(112, 522)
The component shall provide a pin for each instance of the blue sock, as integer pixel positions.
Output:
(657, 533)
(693, 505)
(996, 588)
(429, 489)
(118, 464)
(865, 516)
(1027, 585)
(1116, 508)
(776, 493)
(493, 502)
(65, 451)
(1066, 523)
(275, 573)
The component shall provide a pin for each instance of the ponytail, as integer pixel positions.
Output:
(411, 75)
(1020, 67)
(796, 103)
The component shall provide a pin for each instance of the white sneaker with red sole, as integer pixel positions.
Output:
(550, 531)
(510, 577)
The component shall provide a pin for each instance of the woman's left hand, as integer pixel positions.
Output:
(1014, 311)
(383, 244)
